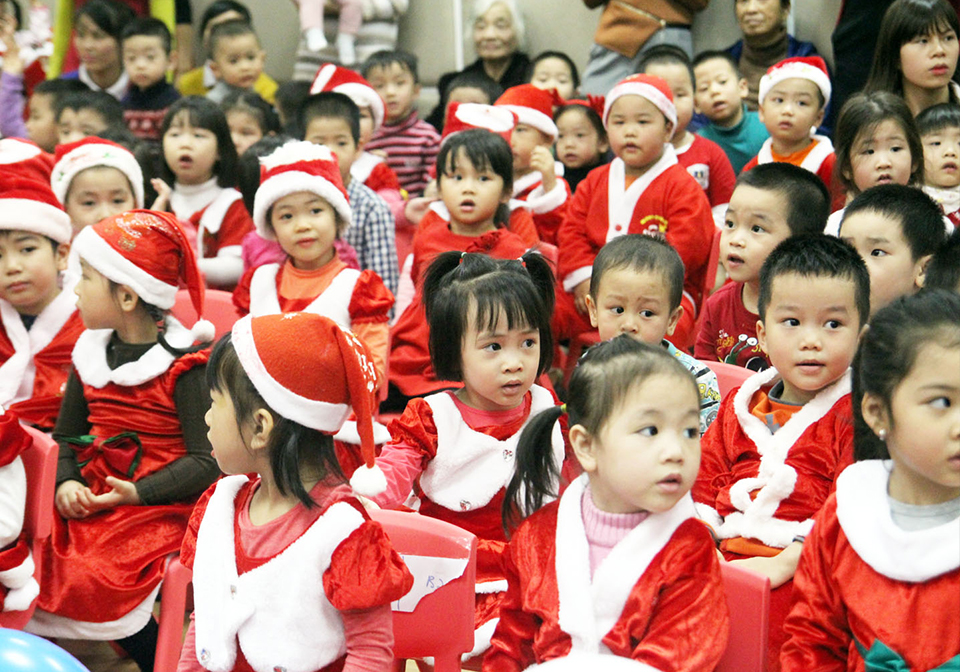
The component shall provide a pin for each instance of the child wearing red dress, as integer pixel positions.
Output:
(643, 190)
(314, 575)
(133, 451)
(619, 565)
(772, 456)
(18, 588)
(885, 549)
(489, 325)
(39, 323)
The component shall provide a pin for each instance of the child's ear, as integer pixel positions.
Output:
(820, 116)
(127, 299)
(60, 255)
(875, 413)
(592, 310)
(668, 129)
(262, 425)
(674, 319)
(214, 68)
(920, 271)
(584, 447)
(743, 87)
(603, 146)
(762, 337)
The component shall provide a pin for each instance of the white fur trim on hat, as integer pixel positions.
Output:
(651, 93)
(24, 214)
(292, 182)
(798, 70)
(106, 260)
(535, 118)
(489, 117)
(313, 413)
(96, 155)
(364, 96)
(294, 152)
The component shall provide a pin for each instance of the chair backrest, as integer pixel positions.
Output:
(442, 623)
(40, 464)
(729, 377)
(748, 599)
(217, 307)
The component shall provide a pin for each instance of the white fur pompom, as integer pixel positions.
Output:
(368, 481)
(203, 331)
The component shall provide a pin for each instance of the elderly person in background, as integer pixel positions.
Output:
(497, 36)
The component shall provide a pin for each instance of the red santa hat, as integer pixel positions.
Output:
(26, 158)
(333, 78)
(533, 107)
(28, 204)
(92, 152)
(293, 167)
(321, 385)
(654, 89)
(812, 68)
(467, 116)
(150, 253)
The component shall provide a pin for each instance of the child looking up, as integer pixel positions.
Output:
(38, 320)
(781, 439)
(581, 141)
(793, 98)
(939, 128)
(644, 190)
(537, 180)
(888, 534)
(134, 455)
(147, 56)
(896, 230)
(489, 324)
(236, 59)
(85, 113)
(551, 71)
(411, 144)
(770, 203)
(719, 96)
(703, 159)
(333, 120)
(619, 564)
(322, 603)
(635, 289)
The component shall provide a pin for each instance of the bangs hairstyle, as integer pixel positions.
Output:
(859, 118)
(544, 55)
(293, 447)
(588, 112)
(640, 253)
(474, 80)
(903, 21)
(890, 348)
(147, 26)
(808, 201)
(228, 29)
(816, 256)
(457, 284)
(483, 149)
(105, 105)
(250, 102)
(387, 57)
(709, 55)
(943, 271)
(206, 114)
(920, 218)
(110, 16)
(330, 105)
(938, 118)
(667, 54)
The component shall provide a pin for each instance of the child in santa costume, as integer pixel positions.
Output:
(134, 455)
(474, 177)
(772, 456)
(879, 577)
(39, 324)
(489, 330)
(18, 588)
(303, 205)
(643, 190)
(325, 574)
(620, 565)
(537, 177)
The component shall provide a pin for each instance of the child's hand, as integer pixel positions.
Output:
(779, 569)
(12, 63)
(67, 499)
(163, 194)
(123, 492)
(580, 296)
(416, 208)
(541, 159)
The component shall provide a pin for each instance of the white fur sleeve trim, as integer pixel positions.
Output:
(488, 587)
(863, 511)
(22, 588)
(574, 278)
(542, 202)
(576, 662)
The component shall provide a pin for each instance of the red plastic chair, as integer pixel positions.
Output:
(748, 599)
(442, 623)
(40, 465)
(173, 606)
(217, 307)
(729, 377)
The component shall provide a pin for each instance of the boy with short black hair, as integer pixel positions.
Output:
(720, 91)
(147, 56)
(333, 120)
(703, 159)
(236, 59)
(85, 113)
(896, 229)
(411, 144)
(780, 440)
(635, 289)
(943, 271)
(770, 203)
(40, 125)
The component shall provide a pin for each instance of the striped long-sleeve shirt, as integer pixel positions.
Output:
(411, 147)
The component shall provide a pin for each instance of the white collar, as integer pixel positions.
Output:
(118, 89)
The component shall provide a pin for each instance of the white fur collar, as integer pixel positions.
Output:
(811, 161)
(589, 609)
(90, 357)
(622, 200)
(522, 184)
(364, 165)
(864, 514)
(212, 217)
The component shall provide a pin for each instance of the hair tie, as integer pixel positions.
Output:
(522, 262)
(563, 409)
(462, 255)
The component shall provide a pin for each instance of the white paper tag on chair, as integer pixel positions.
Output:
(429, 574)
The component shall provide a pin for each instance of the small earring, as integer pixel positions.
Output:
(882, 435)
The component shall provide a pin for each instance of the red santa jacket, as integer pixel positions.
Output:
(18, 588)
(767, 487)
(709, 166)
(222, 224)
(521, 220)
(547, 207)
(820, 160)
(656, 598)
(867, 589)
(663, 201)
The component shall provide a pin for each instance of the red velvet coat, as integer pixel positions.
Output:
(16, 568)
(547, 208)
(222, 224)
